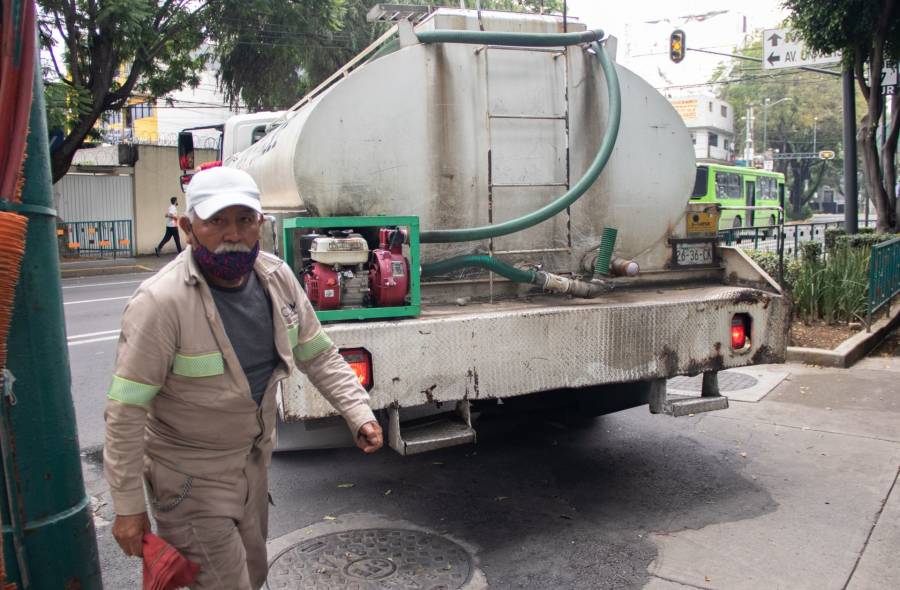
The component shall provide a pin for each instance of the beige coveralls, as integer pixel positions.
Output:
(180, 416)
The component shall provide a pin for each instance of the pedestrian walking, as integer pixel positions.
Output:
(171, 227)
(191, 409)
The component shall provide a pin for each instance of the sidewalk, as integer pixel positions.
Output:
(88, 267)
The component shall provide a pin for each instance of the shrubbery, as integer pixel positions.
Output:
(833, 287)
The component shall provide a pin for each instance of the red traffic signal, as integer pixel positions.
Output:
(677, 45)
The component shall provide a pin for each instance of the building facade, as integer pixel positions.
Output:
(711, 123)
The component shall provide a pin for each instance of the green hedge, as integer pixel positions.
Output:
(768, 261)
(863, 240)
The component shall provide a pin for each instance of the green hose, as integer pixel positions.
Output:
(604, 253)
(592, 173)
(501, 268)
(512, 39)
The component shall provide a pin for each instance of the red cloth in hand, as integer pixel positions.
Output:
(164, 567)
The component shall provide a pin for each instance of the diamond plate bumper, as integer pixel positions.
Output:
(509, 349)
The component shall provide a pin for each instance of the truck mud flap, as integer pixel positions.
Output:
(675, 406)
(438, 431)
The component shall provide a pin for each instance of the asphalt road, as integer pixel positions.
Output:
(795, 491)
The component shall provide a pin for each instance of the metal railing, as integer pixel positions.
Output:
(95, 238)
(884, 276)
(765, 238)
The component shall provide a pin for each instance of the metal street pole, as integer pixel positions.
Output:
(48, 532)
(851, 192)
(815, 125)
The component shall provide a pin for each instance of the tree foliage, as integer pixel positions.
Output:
(302, 43)
(794, 112)
(867, 32)
(104, 51)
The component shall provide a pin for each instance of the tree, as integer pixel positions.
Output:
(104, 51)
(867, 32)
(302, 43)
(802, 116)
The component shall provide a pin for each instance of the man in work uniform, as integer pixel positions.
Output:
(191, 408)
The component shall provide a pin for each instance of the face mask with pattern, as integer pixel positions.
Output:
(227, 266)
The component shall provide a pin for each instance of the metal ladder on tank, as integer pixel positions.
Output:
(558, 52)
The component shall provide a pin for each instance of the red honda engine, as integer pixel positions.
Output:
(388, 269)
(322, 287)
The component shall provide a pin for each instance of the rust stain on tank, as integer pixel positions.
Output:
(669, 361)
(429, 393)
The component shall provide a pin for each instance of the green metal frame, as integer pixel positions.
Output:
(292, 224)
(884, 276)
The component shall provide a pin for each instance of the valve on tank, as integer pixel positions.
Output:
(334, 275)
(389, 269)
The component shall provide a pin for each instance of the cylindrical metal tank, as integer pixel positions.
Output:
(466, 135)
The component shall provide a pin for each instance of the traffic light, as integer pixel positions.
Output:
(676, 45)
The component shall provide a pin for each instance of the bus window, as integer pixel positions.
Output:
(728, 185)
(701, 182)
(767, 190)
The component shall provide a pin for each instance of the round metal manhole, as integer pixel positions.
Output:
(371, 559)
(728, 381)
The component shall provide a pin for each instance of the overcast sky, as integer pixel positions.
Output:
(643, 28)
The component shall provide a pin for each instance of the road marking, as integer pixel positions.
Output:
(97, 300)
(102, 284)
(90, 340)
(89, 334)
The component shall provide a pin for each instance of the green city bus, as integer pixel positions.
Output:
(739, 186)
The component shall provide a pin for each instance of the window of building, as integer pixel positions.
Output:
(713, 140)
(724, 111)
(694, 138)
(710, 107)
(141, 111)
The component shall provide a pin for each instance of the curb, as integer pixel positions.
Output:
(850, 350)
(71, 273)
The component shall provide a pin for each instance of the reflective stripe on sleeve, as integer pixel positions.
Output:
(131, 392)
(203, 365)
(313, 347)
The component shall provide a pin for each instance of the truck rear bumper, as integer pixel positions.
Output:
(514, 348)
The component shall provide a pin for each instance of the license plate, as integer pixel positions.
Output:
(694, 254)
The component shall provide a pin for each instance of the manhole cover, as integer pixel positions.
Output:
(728, 381)
(369, 559)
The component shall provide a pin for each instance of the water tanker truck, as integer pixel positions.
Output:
(490, 215)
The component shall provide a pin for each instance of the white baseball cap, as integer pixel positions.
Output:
(213, 189)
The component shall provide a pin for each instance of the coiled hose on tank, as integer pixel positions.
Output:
(548, 281)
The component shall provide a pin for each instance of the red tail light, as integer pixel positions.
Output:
(186, 162)
(207, 165)
(740, 330)
(360, 361)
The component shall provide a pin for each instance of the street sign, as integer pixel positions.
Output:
(889, 82)
(783, 48)
(826, 155)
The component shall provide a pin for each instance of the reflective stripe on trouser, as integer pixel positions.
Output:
(221, 526)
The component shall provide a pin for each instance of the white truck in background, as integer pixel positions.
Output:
(435, 127)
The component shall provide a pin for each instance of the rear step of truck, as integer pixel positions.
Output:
(432, 432)
(682, 405)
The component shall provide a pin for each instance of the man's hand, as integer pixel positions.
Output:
(369, 438)
(129, 532)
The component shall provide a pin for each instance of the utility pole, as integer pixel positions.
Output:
(748, 139)
(851, 192)
(48, 527)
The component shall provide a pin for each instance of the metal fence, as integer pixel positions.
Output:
(884, 276)
(95, 238)
(765, 238)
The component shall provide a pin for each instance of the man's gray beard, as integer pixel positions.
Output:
(232, 247)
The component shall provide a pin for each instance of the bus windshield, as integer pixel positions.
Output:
(700, 182)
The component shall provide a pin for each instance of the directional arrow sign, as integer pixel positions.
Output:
(783, 48)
